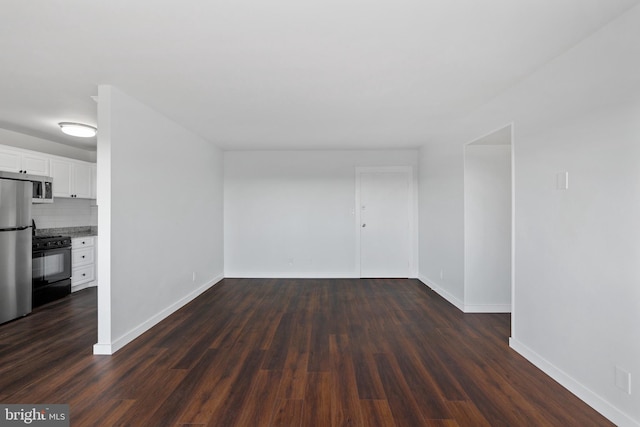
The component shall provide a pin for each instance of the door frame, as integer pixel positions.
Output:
(411, 208)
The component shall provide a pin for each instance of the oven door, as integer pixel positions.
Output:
(50, 266)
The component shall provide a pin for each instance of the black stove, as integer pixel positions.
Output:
(51, 268)
(50, 242)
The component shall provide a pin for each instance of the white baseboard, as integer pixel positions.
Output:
(487, 308)
(445, 294)
(592, 399)
(460, 305)
(117, 344)
(289, 275)
(102, 349)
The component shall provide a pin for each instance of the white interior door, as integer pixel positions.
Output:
(384, 200)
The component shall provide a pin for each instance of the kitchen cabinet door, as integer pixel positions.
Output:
(61, 171)
(82, 180)
(10, 161)
(83, 262)
(35, 164)
(71, 179)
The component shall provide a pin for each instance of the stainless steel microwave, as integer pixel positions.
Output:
(42, 185)
(42, 189)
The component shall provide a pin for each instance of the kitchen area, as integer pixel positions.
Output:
(48, 229)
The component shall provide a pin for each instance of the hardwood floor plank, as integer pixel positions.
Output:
(288, 413)
(425, 393)
(113, 409)
(203, 341)
(345, 407)
(227, 414)
(441, 423)
(259, 405)
(376, 413)
(218, 381)
(404, 408)
(157, 391)
(466, 414)
(294, 375)
(175, 404)
(319, 349)
(276, 354)
(317, 400)
(367, 378)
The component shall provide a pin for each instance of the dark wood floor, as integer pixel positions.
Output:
(288, 353)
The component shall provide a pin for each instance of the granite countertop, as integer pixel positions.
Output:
(83, 231)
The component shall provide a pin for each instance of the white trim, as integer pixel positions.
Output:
(513, 229)
(117, 344)
(411, 206)
(585, 394)
(289, 275)
(442, 292)
(299, 275)
(102, 349)
(487, 308)
(103, 188)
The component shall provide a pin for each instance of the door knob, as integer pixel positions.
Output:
(364, 225)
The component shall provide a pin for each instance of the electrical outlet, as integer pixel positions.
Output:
(623, 380)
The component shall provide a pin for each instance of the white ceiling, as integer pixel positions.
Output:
(280, 74)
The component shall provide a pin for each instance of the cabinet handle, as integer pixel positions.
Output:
(84, 274)
(82, 256)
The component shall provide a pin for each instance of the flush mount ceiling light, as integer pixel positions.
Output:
(78, 129)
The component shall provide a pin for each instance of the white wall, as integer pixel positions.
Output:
(28, 142)
(160, 217)
(577, 278)
(487, 228)
(441, 202)
(291, 213)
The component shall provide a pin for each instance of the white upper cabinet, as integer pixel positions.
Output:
(72, 179)
(62, 178)
(14, 160)
(82, 181)
(10, 160)
(36, 164)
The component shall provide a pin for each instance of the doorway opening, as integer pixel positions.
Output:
(488, 222)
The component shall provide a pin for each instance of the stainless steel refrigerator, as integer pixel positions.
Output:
(15, 245)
